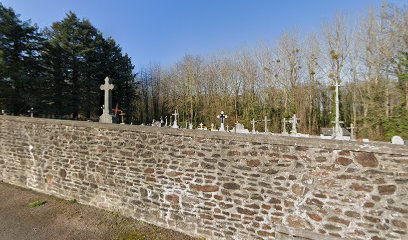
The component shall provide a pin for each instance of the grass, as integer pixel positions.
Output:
(37, 203)
(72, 201)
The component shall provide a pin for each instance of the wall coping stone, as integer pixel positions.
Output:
(374, 147)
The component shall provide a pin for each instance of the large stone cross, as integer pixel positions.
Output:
(266, 120)
(294, 122)
(175, 114)
(106, 117)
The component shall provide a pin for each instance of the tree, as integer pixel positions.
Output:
(20, 43)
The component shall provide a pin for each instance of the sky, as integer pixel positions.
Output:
(163, 31)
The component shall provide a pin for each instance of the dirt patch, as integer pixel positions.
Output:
(60, 219)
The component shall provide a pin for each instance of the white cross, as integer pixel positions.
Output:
(294, 121)
(201, 126)
(227, 128)
(284, 131)
(352, 131)
(175, 114)
(212, 126)
(266, 120)
(253, 125)
(106, 87)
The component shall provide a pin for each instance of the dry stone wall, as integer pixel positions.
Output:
(216, 185)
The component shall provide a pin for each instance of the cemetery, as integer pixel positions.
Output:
(303, 140)
(215, 183)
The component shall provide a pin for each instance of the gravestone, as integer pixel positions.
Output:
(107, 116)
(294, 122)
(397, 140)
(201, 126)
(31, 112)
(284, 131)
(266, 120)
(222, 117)
(253, 125)
(240, 128)
(175, 114)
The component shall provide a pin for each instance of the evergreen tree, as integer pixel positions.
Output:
(20, 43)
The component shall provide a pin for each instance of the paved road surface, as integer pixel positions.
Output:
(61, 220)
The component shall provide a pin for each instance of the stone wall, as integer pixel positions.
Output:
(216, 185)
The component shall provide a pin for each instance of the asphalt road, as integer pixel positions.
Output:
(61, 219)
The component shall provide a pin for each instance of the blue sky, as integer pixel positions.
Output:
(163, 31)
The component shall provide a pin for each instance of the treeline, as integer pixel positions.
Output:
(57, 71)
(295, 76)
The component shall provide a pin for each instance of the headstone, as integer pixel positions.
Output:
(253, 126)
(294, 122)
(106, 116)
(266, 120)
(284, 131)
(201, 126)
(212, 127)
(338, 130)
(352, 136)
(31, 111)
(397, 140)
(240, 128)
(165, 122)
(190, 126)
(122, 114)
(222, 117)
(186, 124)
(227, 128)
(175, 114)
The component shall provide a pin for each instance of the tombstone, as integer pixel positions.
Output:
(161, 122)
(106, 116)
(3, 112)
(284, 131)
(397, 140)
(294, 122)
(227, 128)
(170, 122)
(352, 136)
(190, 125)
(31, 112)
(186, 124)
(201, 126)
(240, 128)
(222, 117)
(175, 114)
(165, 121)
(212, 127)
(122, 114)
(338, 130)
(266, 120)
(328, 133)
(253, 126)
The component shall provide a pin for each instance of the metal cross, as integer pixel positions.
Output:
(222, 117)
